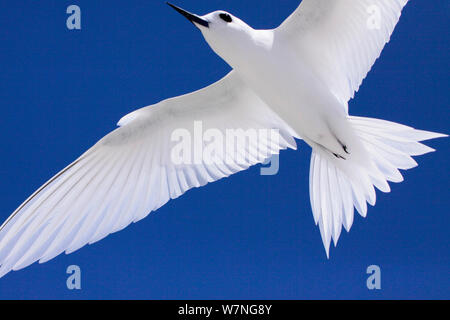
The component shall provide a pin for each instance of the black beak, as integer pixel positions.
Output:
(190, 16)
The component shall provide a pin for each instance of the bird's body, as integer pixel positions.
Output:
(296, 79)
(277, 74)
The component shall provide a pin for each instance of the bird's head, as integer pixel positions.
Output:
(226, 34)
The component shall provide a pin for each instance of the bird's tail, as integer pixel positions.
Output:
(337, 185)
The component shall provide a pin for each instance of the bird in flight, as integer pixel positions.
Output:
(296, 79)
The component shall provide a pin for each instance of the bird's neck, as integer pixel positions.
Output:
(249, 52)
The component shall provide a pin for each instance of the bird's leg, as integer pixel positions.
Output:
(338, 156)
(345, 149)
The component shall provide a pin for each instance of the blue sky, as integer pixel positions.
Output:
(246, 237)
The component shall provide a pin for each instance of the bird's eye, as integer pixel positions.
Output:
(226, 17)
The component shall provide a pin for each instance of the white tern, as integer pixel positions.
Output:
(297, 79)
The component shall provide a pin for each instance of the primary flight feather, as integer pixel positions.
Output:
(296, 79)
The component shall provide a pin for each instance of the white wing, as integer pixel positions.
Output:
(131, 172)
(341, 39)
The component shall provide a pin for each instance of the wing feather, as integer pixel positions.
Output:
(341, 39)
(130, 172)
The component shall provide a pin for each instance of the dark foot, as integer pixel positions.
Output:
(339, 156)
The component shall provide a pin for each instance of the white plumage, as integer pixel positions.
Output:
(129, 173)
(297, 79)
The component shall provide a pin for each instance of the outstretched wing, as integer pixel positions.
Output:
(134, 170)
(341, 39)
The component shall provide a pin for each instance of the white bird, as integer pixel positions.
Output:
(297, 78)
